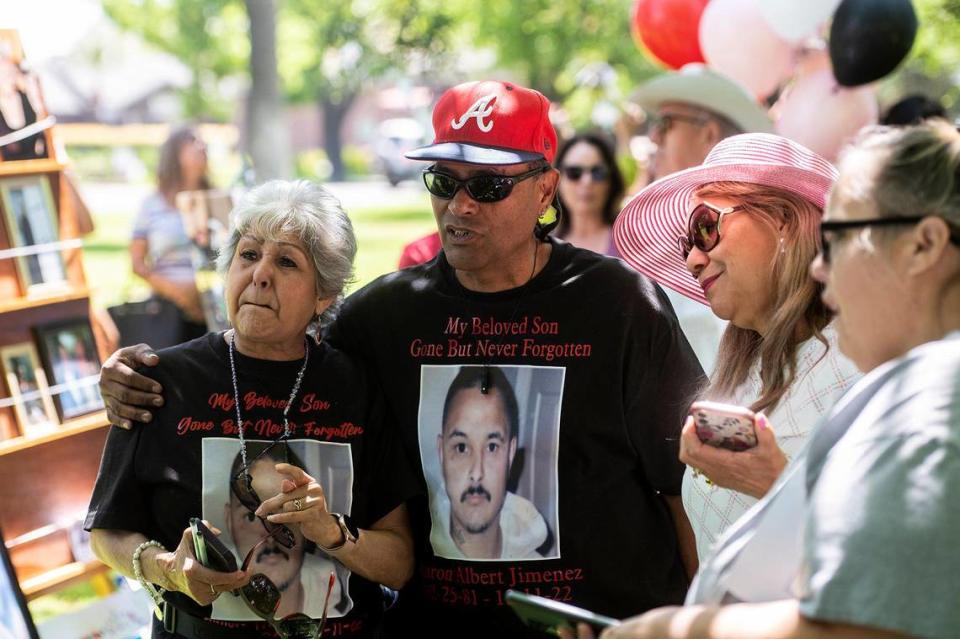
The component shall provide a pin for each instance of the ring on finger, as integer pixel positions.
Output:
(298, 503)
(213, 591)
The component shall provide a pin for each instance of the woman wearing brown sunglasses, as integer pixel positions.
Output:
(275, 439)
(737, 233)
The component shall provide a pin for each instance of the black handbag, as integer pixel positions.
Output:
(155, 321)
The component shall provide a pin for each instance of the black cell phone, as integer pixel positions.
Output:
(209, 550)
(547, 615)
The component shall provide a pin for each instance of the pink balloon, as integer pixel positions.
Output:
(823, 116)
(737, 41)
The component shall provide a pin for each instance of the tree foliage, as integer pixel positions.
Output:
(933, 64)
(329, 50)
(209, 36)
(547, 42)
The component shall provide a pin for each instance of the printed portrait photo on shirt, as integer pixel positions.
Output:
(301, 572)
(489, 437)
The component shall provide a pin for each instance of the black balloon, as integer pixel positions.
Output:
(869, 38)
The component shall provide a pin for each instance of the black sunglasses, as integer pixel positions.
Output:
(598, 173)
(703, 229)
(844, 225)
(262, 596)
(242, 487)
(486, 187)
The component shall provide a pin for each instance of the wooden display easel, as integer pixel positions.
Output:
(45, 478)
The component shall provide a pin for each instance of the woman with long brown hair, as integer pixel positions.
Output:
(590, 192)
(160, 250)
(738, 233)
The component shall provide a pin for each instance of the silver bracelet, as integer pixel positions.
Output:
(154, 592)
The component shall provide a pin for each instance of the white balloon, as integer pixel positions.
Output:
(794, 20)
(737, 41)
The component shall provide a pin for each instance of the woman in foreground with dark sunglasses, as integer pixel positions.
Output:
(738, 233)
(275, 439)
(591, 192)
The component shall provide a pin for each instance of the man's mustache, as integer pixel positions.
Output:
(272, 549)
(475, 490)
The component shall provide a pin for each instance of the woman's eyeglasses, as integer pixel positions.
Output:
(830, 227)
(486, 187)
(703, 229)
(598, 173)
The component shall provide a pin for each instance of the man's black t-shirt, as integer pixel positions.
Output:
(602, 377)
(154, 478)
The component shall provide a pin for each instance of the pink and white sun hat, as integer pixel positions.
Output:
(647, 229)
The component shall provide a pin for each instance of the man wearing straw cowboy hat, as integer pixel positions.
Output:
(690, 111)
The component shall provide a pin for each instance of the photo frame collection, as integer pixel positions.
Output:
(54, 378)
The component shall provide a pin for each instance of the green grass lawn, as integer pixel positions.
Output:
(381, 234)
(61, 602)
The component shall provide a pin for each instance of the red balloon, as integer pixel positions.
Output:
(669, 30)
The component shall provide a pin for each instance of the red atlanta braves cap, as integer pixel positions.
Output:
(490, 123)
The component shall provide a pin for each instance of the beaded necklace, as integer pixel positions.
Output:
(286, 409)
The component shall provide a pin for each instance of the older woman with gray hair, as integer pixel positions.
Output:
(237, 403)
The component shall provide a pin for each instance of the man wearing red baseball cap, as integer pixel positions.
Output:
(599, 369)
(529, 137)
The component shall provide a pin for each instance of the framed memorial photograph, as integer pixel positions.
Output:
(32, 221)
(15, 619)
(70, 360)
(28, 388)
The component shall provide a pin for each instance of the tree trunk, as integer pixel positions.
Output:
(333, 114)
(267, 136)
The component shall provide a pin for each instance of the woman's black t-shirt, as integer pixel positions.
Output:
(157, 476)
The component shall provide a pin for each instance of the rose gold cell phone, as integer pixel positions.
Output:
(724, 425)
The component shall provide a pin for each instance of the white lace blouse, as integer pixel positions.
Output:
(817, 386)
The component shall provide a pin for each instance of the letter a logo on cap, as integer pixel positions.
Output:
(480, 110)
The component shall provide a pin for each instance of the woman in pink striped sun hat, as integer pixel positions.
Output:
(738, 233)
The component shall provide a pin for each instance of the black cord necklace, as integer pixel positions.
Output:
(485, 371)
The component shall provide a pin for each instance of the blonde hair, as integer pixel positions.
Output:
(798, 314)
(918, 171)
